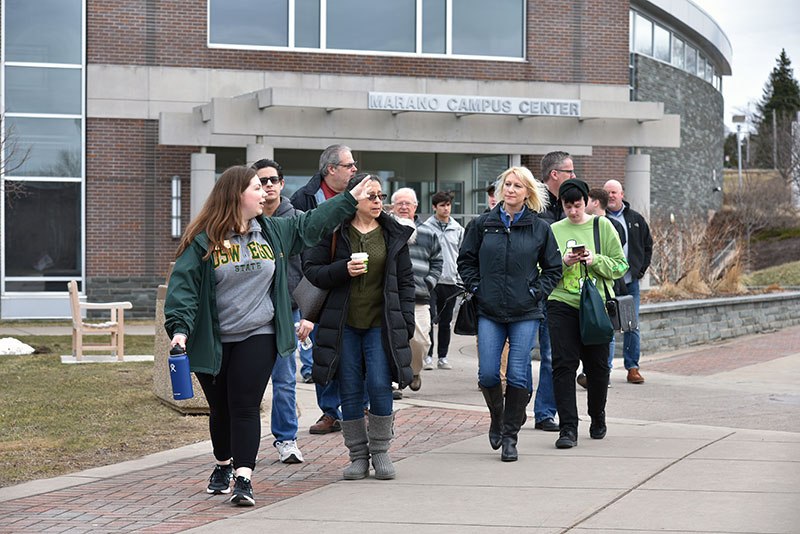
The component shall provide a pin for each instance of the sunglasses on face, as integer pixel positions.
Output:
(274, 180)
(374, 196)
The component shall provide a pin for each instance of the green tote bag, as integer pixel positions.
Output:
(595, 323)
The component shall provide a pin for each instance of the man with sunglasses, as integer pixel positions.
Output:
(283, 418)
(336, 167)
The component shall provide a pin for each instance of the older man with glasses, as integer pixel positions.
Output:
(426, 262)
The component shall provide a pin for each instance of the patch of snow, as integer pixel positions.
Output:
(11, 346)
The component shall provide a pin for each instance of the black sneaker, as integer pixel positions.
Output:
(243, 492)
(220, 479)
(567, 439)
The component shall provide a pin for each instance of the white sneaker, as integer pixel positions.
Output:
(427, 363)
(443, 364)
(289, 452)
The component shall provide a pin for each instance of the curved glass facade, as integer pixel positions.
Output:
(654, 40)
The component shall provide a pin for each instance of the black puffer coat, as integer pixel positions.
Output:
(398, 294)
(504, 263)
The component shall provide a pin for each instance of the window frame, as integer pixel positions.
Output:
(51, 179)
(323, 46)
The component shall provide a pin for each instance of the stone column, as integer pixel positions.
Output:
(515, 160)
(202, 180)
(637, 183)
(257, 151)
(637, 192)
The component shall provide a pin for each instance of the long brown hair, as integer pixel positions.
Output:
(222, 211)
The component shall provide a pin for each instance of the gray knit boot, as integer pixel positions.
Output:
(381, 433)
(355, 439)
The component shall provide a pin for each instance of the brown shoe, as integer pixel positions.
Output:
(634, 377)
(325, 425)
(416, 383)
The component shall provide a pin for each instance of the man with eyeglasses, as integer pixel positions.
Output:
(336, 167)
(638, 250)
(283, 419)
(426, 262)
(557, 167)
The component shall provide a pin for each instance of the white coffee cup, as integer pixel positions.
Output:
(363, 257)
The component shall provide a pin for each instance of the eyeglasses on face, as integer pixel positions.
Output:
(404, 204)
(568, 171)
(274, 180)
(374, 196)
(347, 165)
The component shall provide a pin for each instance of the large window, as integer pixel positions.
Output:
(651, 39)
(42, 99)
(661, 45)
(463, 28)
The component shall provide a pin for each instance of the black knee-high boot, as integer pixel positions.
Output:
(494, 401)
(516, 401)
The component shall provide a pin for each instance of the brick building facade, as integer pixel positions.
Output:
(157, 91)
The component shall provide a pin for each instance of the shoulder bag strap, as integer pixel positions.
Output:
(596, 231)
(333, 244)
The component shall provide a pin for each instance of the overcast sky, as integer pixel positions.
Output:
(757, 32)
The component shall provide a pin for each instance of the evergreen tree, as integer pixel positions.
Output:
(779, 103)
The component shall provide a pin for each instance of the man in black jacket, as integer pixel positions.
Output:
(638, 251)
(557, 167)
(336, 167)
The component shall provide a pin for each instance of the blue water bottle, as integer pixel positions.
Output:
(180, 374)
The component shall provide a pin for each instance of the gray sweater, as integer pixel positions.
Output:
(244, 273)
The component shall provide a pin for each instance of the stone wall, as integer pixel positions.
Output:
(683, 180)
(673, 325)
(139, 290)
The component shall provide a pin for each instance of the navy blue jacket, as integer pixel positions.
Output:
(504, 264)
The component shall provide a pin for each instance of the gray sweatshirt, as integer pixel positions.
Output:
(244, 273)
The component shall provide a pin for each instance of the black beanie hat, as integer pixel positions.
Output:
(580, 185)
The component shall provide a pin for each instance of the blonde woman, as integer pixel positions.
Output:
(510, 260)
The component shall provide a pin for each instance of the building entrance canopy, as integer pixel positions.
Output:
(312, 118)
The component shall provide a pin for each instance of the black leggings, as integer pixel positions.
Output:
(568, 352)
(234, 397)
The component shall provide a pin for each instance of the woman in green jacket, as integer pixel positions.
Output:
(228, 305)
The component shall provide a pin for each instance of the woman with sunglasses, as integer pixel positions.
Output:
(228, 306)
(366, 325)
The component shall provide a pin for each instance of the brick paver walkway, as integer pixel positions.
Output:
(172, 498)
(730, 355)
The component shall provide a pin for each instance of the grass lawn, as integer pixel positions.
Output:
(57, 418)
(787, 274)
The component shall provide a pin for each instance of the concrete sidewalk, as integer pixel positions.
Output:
(650, 474)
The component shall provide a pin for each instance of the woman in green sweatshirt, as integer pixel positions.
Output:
(228, 305)
(575, 238)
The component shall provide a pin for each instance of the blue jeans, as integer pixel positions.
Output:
(363, 356)
(630, 349)
(306, 361)
(283, 420)
(492, 337)
(611, 347)
(544, 405)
